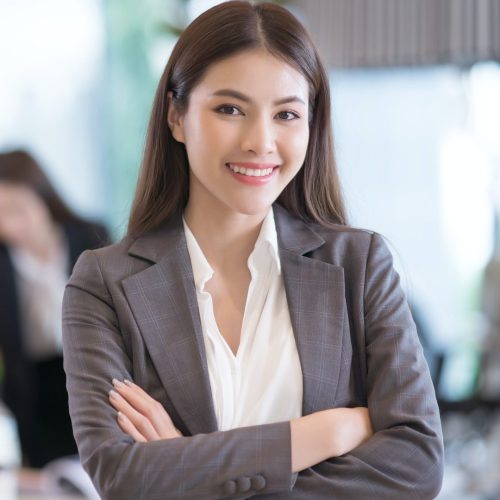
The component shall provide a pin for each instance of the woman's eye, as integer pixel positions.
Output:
(287, 115)
(229, 110)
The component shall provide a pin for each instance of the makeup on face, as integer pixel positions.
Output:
(246, 132)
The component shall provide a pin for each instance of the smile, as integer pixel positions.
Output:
(251, 172)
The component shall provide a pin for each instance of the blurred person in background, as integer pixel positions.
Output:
(40, 240)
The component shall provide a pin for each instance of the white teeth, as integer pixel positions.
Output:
(251, 172)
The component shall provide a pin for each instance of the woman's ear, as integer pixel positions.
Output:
(174, 119)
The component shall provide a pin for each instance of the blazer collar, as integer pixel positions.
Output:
(315, 293)
(294, 235)
(163, 300)
(161, 242)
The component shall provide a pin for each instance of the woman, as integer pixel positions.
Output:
(40, 240)
(255, 343)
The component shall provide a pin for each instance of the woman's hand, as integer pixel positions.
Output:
(326, 434)
(139, 415)
(351, 427)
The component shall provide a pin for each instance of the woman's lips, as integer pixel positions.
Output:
(254, 174)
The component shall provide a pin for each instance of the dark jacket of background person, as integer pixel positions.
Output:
(35, 391)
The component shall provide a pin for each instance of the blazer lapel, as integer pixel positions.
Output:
(163, 300)
(315, 295)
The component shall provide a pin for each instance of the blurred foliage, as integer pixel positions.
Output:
(132, 28)
(176, 27)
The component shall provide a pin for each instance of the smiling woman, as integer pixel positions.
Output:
(239, 133)
(241, 339)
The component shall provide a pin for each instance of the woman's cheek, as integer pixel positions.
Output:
(296, 145)
(13, 229)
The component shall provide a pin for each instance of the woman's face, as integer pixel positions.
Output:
(23, 214)
(246, 133)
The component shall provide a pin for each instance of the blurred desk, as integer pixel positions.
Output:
(42, 496)
(30, 484)
(469, 405)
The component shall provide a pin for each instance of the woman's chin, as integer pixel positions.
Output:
(252, 207)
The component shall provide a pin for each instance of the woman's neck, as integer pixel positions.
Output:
(227, 238)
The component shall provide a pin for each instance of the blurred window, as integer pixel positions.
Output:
(50, 89)
(419, 158)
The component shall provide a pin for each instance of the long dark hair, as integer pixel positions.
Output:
(19, 167)
(224, 30)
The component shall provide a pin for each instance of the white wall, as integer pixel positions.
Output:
(51, 55)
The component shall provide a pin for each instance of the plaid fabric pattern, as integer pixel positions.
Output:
(130, 311)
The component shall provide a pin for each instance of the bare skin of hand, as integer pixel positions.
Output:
(327, 434)
(139, 415)
(353, 428)
(314, 438)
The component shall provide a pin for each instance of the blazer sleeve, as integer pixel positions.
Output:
(404, 458)
(232, 464)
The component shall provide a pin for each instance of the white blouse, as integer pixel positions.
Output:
(40, 287)
(263, 382)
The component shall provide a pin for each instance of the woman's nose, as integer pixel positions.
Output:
(259, 137)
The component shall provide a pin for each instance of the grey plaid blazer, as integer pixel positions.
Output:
(130, 311)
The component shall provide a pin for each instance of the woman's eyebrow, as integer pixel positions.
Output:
(245, 98)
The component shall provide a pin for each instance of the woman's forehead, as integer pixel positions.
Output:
(255, 73)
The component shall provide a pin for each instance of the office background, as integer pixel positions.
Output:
(416, 111)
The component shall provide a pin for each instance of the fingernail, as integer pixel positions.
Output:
(130, 384)
(118, 384)
(121, 416)
(113, 394)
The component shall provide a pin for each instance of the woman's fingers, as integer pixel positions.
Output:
(128, 427)
(148, 407)
(139, 421)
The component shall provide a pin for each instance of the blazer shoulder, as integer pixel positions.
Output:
(115, 252)
(350, 233)
(111, 260)
(348, 246)
(345, 237)
(135, 253)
